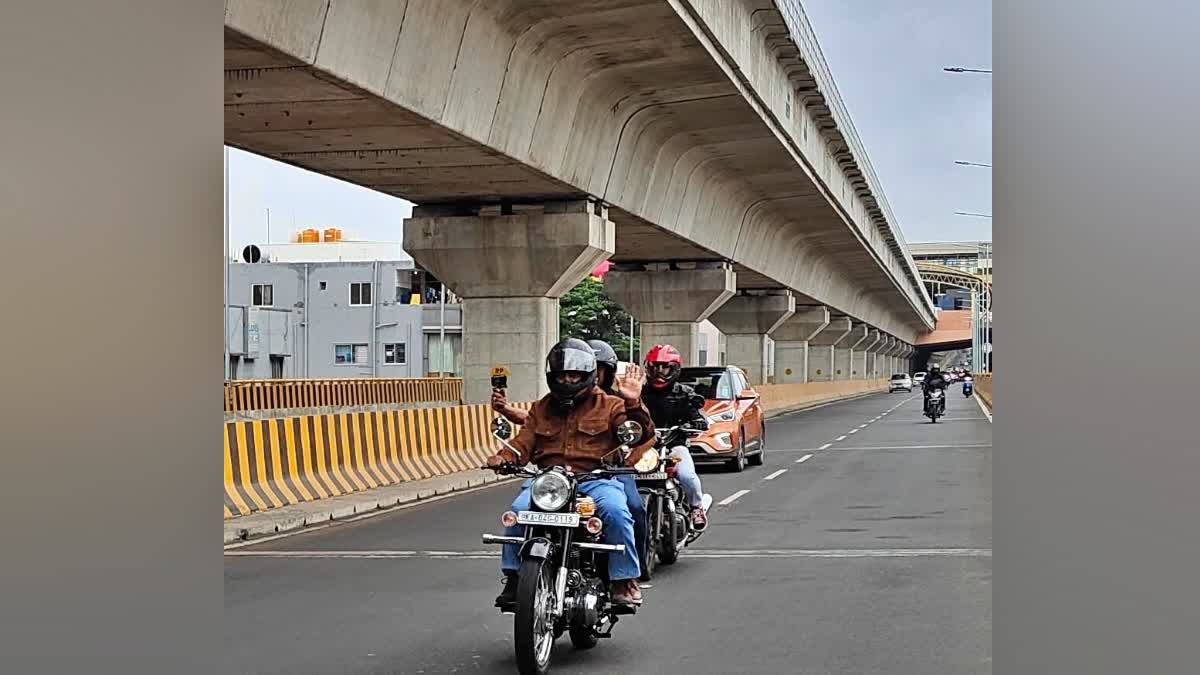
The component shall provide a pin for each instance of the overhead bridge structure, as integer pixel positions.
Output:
(701, 145)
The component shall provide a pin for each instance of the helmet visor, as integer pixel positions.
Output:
(571, 359)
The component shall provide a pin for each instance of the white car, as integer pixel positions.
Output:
(900, 381)
(919, 378)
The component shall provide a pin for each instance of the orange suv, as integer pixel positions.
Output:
(737, 426)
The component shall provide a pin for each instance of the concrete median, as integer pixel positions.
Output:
(778, 399)
(272, 463)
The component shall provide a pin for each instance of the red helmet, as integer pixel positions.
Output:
(663, 363)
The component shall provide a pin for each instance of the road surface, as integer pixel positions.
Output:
(862, 546)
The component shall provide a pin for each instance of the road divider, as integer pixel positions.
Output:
(248, 396)
(778, 399)
(272, 463)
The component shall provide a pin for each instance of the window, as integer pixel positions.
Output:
(739, 384)
(262, 295)
(323, 285)
(276, 367)
(347, 354)
(703, 349)
(360, 293)
(394, 353)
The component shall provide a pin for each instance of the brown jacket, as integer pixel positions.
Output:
(582, 437)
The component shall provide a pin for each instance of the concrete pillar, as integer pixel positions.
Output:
(885, 356)
(863, 356)
(821, 349)
(510, 266)
(791, 343)
(747, 320)
(671, 299)
(843, 353)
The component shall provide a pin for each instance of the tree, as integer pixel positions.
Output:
(585, 312)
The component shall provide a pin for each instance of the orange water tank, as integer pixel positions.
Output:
(310, 236)
(333, 234)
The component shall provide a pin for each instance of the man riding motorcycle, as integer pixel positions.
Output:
(934, 380)
(575, 426)
(606, 379)
(672, 403)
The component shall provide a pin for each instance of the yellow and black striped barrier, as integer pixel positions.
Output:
(275, 462)
(251, 395)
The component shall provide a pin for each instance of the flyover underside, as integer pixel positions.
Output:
(445, 101)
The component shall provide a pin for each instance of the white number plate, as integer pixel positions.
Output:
(556, 519)
(661, 475)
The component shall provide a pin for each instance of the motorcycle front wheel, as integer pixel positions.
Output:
(533, 624)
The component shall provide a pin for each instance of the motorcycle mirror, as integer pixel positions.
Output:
(501, 428)
(628, 432)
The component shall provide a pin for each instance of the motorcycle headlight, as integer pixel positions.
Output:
(550, 491)
(648, 461)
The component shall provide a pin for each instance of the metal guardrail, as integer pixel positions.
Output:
(251, 395)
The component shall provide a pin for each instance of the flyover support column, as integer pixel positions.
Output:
(747, 320)
(886, 364)
(791, 343)
(510, 265)
(843, 353)
(671, 299)
(863, 357)
(821, 348)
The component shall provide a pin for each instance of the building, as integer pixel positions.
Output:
(337, 310)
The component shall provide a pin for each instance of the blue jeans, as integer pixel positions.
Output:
(611, 507)
(685, 473)
(638, 510)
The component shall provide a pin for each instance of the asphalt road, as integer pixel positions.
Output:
(871, 555)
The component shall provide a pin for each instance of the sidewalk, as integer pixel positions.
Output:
(296, 516)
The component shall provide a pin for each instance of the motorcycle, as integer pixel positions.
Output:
(669, 528)
(968, 386)
(935, 405)
(563, 578)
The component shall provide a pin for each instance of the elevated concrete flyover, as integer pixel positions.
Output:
(696, 131)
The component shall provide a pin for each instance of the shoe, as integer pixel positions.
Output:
(626, 592)
(699, 519)
(508, 596)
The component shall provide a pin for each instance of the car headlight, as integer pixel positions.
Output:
(550, 491)
(726, 416)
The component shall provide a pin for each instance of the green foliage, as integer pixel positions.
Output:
(585, 312)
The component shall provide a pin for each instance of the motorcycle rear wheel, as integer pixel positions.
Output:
(668, 551)
(533, 628)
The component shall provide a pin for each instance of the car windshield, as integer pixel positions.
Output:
(710, 385)
(899, 377)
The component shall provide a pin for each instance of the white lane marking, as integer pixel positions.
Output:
(863, 426)
(711, 553)
(839, 438)
(804, 459)
(854, 431)
(911, 447)
(481, 555)
(983, 407)
(733, 497)
(775, 475)
(823, 447)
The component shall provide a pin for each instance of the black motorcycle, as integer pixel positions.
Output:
(669, 528)
(563, 579)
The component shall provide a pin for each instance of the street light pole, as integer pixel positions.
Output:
(987, 71)
(987, 166)
(973, 215)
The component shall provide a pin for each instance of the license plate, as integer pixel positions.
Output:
(556, 519)
(661, 475)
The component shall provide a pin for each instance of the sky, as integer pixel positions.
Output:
(886, 56)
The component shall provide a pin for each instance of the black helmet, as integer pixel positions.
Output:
(606, 357)
(570, 356)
